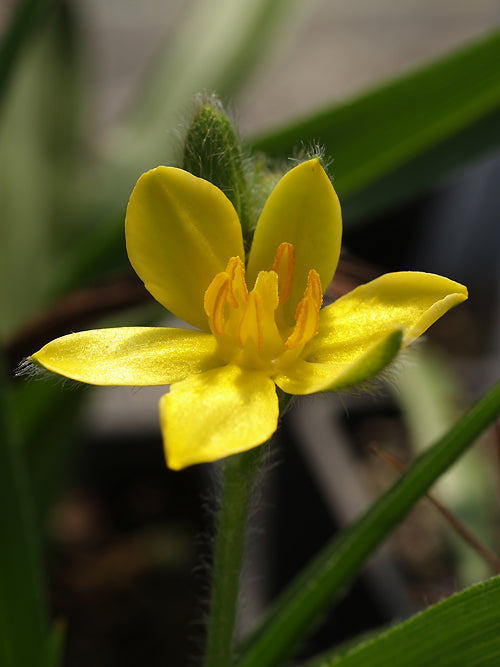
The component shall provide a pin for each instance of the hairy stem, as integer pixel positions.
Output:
(239, 476)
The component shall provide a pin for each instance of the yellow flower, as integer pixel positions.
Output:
(256, 327)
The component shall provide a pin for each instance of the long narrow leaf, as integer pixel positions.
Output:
(297, 611)
(38, 135)
(26, 18)
(462, 630)
(23, 619)
(396, 139)
(215, 49)
(387, 145)
(53, 653)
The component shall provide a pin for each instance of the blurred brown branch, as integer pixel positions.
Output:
(486, 554)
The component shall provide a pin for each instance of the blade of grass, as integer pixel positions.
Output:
(53, 653)
(26, 18)
(297, 611)
(426, 170)
(387, 145)
(461, 630)
(23, 615)
(216, 47)
(39, 130)
(399, 137)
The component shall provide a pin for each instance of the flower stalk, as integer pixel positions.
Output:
(239, 476)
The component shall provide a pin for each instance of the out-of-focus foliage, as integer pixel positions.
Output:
(399, 138)
(39, 130)
(23, 612)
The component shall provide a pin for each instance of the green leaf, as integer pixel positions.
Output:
(387, 145)
(26, 18)
(393, 141)
(297, 611)
(38, 130)
(430, 395)
(53, 652)
(462, 630)
(23, 615)
(215, 49)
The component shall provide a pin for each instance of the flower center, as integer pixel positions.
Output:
(250, 326)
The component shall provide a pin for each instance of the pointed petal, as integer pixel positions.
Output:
(304, 210)
(181, 231)
(408, 300)
(307, 377)
(218, 413)
(133, 356)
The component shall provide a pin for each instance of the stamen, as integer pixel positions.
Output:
(314, 289)
(307, 314)
(284, 263)
(238, 291)
(251, 321)
(215, 301)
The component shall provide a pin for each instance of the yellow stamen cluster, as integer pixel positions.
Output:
(245, 322)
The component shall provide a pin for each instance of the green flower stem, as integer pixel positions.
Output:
(239, 475)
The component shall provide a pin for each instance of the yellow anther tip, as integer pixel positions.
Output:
(215, 301)
(314, 288)
(283, 265)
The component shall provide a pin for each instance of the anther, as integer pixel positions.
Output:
(284, 263)
(313, 288)
(238, 291)
(215, 301)
(307, 313)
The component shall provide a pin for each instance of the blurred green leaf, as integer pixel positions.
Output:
(216, 48)
(462, 630)
(25, 19)
(430, 397)
(399, 138)
(23, 612)
(53, 652)
(296, 612)
(387, 145)
(48, 424)
(38, 134)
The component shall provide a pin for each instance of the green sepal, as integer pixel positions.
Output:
(371, 364)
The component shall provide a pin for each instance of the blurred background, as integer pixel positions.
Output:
(94, 93)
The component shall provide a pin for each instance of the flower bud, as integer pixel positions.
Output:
(213, 151)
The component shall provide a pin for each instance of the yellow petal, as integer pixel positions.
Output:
(134, 356)
(218, 413)
(304, 210)
(306, 377)
(181, 231)
(408, 300)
